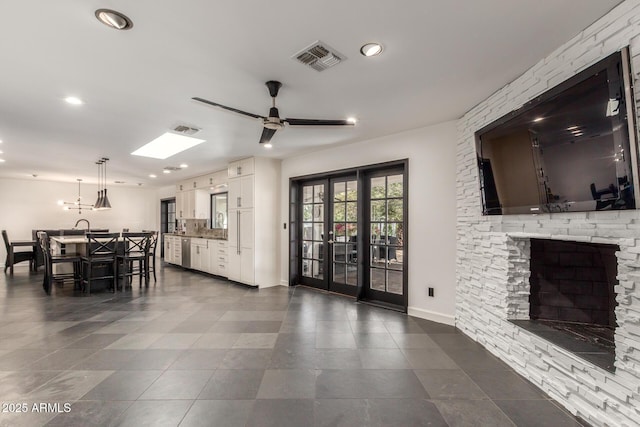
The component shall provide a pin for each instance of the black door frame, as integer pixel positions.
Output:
(295, 225)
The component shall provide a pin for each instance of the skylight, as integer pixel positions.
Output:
(167, 145)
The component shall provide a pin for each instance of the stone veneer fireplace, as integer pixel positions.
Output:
(493, 253)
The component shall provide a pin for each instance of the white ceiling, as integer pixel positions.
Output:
(440, 59)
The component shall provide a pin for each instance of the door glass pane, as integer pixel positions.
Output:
(339, 212)
(317, 270)
(352, 190)
(339, 194)
(318, 193)
(352, 232)
(307, 194)
(394, 210)
(318, 212)
(378, 188)
(394, 282)
(394, 262)
(339, 232)
(307, 249)
(318, 231)
(394, 186)
(307, 212)
(352, 211)
(377, 279)
(352, 275)
(378, 210)
(339, 252)
(306, 268)
(339, 273)
(307, 231)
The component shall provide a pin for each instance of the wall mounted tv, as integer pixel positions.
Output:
(572, 149)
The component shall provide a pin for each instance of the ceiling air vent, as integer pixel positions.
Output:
(172, 168)
(186, 130)
(319, 56)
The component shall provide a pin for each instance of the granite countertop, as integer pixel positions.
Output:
(198, 236)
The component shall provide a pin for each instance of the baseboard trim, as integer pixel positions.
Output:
(432, 315)
(284, 283)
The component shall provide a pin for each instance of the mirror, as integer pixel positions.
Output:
(219, 210)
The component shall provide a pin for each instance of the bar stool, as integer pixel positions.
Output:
(50, 260)
(135, 248)
(101, 251)
(151, 259)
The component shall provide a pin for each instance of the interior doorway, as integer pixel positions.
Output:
(167, 220)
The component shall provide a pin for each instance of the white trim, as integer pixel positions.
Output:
(284, 283)
(447, 319)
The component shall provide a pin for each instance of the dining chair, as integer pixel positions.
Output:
(135, 250)
(14, 257)
(100, 254)
(50, 260)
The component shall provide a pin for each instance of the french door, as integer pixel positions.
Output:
(329, 249)
(385, 217)
(349, 233)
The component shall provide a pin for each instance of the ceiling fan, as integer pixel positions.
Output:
(273, 122)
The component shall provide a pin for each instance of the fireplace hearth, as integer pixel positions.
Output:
(572, 299)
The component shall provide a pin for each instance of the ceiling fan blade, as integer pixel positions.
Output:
(235, 110)
(267, 134)
(314, 122)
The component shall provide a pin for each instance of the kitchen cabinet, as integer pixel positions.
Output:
(241, 192)
(172, 249)
(168, 253)
(253, 221)
(218, 257)
(200, 254)
(192, 204)
(241, 167)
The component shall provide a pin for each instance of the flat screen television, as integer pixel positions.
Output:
(572, 149)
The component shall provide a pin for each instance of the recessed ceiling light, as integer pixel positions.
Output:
(166, 171)
(1, 160)
(538, 119)
(1, 152)
(352, 120)
(74, 100)
(371, 49)
(184, 165)
(152, 176)
(114, 19)
(0, 141)
(267, 145)
(167, 145)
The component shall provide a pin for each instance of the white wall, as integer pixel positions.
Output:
(29, 204)
(432, 207)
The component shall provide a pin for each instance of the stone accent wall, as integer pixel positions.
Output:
(492, 265)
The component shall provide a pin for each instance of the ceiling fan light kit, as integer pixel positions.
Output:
(273, 122)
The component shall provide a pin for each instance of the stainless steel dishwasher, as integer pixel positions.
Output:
(186, 252)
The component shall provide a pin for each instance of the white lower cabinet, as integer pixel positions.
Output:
(200, 254)
(218, 257)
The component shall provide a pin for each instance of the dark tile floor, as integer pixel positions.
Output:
(197, 351)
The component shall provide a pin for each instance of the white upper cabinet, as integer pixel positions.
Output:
(241, 167)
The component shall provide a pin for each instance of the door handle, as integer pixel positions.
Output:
(331, 242)
(238, 212)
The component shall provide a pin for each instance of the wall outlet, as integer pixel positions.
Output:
(430, 292)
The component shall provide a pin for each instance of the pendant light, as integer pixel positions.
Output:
(105, 199)
(98, 203)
